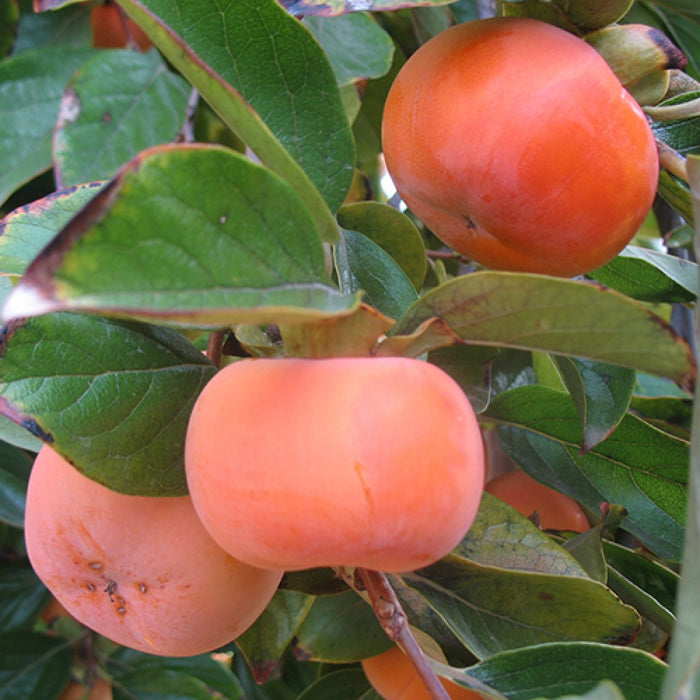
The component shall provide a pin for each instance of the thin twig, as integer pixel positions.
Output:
(394, 622)
(214, 347)
(187, 132)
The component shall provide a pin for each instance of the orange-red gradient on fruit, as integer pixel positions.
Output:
(517, 145)
(394, 677)
(141, 571)
(299, 463)
(556, 511)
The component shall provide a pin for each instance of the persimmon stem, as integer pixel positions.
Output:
(394, 622)
(214, 347)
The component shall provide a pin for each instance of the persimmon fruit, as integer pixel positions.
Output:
(109, 31)
(517, 145)
(139, 570)
(394, 677)
(555, 510)
(299, 463)
(99, 689)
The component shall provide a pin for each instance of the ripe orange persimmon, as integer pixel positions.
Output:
(517, 145)
(142, 571)
(394, 677)
(556, 511)
(108, 31)
(300, 463)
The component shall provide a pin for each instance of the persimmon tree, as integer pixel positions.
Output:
(222, 195)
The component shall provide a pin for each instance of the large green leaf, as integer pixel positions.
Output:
(363, 266)
(193, 235)
(31, 86)
(356, 45)
(639, 467)
(117, 104)
(266, 640)
(650, 276)
(22, 596)
(70, 27)
(555, 670)
(340, 629)
(15, 465)
(601, 393)
(25, 231)
(33, 666)
(252, 54)
(492, 609)
(345, 684)
(501, 537)
(567, 317)
(113, 397)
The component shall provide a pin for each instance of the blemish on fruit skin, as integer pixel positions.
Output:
(111, 587)
(90, 586)
(142, 587)
(121, 610)
(359, 470)
(97, 565)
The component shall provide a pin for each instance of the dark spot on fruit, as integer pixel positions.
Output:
(90, 586)
(111, 587)
(97, 565)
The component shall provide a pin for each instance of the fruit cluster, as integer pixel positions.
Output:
(291, 464)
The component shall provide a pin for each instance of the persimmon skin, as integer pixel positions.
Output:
(556, 511)
(301, 463)
(108, 30)
(517, 145)
(394, 677)
(141, 571)
(99, 690)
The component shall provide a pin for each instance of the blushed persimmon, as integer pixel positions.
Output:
(555, 510)
(141, 571)
(109, 31)
(515, 142)
(299, 463)
(394, 677)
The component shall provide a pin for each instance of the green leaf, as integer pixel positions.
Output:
(340, 629)
(113, 397)
(264, 643)
(502, 537)
(69, 27)
(648, 275)
(191, 235)
(650, 575)
(22, 596)
(677, 194)
(493, 609)
(33, 666)
(117, 104)
(253, 54)
(638, 467)
(363, 266)
(555, 670)
(15, 465)
(601, 393)
(345, 684)
(25, 231)
(391, 230)
(682, 135)
(668, 413)
(566, 317)
(31, 86)
(136, 672)
(355, 44)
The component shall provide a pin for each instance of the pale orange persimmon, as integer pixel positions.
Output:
(141, 571)
(517, 145)
(300, 463)
(555, 510)
(99, 689)
(394, 677)
(108, 31)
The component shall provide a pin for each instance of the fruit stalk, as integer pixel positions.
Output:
(394, 622)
